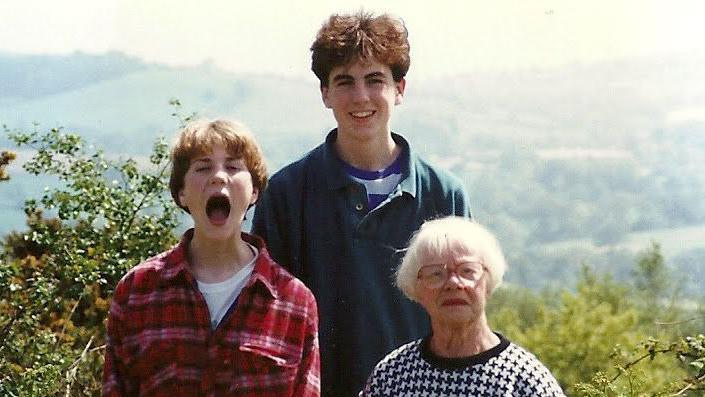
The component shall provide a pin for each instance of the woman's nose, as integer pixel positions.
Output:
(454, 281)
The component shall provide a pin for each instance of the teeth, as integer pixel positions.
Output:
(361, 114)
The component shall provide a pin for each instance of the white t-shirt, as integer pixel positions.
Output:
(220, 296)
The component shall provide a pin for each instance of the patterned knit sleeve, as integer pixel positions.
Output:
(536, 379)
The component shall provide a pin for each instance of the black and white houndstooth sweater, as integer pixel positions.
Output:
(504, 370)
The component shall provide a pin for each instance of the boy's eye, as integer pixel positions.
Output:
(202, 168)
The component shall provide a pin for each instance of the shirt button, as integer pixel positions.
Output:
(358, 206)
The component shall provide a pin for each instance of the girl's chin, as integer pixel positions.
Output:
(218, 230)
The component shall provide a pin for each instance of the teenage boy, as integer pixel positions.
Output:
(339, 217)
(215, 315)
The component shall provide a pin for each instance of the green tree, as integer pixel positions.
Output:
(57, 277)
(652, 279)
(583, 334)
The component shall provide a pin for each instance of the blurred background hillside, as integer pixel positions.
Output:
(587, 162)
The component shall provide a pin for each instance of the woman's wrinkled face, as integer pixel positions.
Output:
(452, 287)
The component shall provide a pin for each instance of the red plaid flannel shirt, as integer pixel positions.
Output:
(159, 340)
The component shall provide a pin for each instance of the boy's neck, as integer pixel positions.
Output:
(212, 261)
(369, 155)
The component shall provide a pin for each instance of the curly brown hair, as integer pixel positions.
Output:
(345, 38)
(200, 137)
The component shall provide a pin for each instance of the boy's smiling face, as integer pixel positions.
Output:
(217, 191)
(362, 95)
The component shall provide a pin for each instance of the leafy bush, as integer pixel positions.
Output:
(58, 276)
(606, 338)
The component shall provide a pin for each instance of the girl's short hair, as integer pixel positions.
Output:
(201, 136)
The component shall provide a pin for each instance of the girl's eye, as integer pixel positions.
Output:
(201, 169)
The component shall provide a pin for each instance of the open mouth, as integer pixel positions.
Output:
(218, 209)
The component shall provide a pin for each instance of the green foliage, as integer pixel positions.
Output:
(58, 276)
(651, 277)
(629, 379)
(601, 340)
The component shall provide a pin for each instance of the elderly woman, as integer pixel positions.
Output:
(451, 268)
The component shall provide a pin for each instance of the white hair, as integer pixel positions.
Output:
(450, 235)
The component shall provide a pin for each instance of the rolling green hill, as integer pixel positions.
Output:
(126, 114)
(673, 241)
(607, 153)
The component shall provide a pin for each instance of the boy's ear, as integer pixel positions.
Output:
(400, 85)
(324, 96)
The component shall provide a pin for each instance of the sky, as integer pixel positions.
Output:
(273, 36)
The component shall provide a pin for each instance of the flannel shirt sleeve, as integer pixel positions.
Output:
(308, 383)
(116, 382)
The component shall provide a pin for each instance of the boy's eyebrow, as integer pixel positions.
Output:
(340, 77)
(347, 77)
(374, 74)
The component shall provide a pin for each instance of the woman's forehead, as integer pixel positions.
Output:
(449, 252)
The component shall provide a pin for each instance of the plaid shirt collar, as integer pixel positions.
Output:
(176, 263)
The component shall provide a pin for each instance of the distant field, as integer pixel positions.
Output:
(673, 241)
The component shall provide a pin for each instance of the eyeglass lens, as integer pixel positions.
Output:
(436, 275)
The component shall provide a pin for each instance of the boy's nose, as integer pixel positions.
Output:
(360, 93)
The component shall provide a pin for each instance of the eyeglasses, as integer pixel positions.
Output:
(435, 276)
